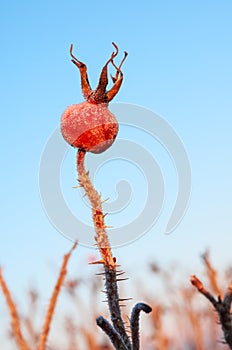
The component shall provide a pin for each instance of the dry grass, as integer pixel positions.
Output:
(15, 319)
(184, 322)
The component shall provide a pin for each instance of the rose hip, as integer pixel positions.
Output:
(90, 125)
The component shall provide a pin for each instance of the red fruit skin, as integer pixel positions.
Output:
(89, 126)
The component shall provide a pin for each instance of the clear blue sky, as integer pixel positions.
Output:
(179, 66)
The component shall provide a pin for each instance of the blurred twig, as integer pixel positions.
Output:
(212, 274)
(15, 320)
(221, 306)
(52, 304)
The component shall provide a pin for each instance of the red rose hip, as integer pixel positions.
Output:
(90, 125)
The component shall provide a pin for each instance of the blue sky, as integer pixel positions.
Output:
(179, 66)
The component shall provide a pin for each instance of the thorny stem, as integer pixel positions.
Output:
(103, 244)
(15, 321)
(114, 307)
(221, 306)
(114, 336)
(134, 322)
(98, 217)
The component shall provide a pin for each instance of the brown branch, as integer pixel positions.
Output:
(114, 336)
(225, 315)
(114, 304)
(134, 322)
(221, 306)
(200, 287)
(50, 312)
(15, 320)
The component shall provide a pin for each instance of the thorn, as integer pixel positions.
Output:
(123, 299)
(119, 273)
(106, 226)
(105, 200)
(121, 279)
(79, 186)
(97, 262)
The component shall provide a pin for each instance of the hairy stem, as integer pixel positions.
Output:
(103, 244)
(98, 216)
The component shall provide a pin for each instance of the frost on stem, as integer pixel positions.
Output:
(98, 217)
